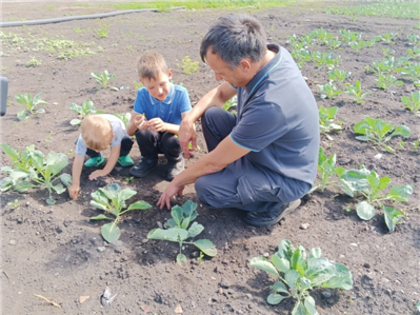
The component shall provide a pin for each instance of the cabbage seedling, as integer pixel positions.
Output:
(83, 111)
(30, 104)
(357, 92)
(384, 82)
(369, 185)
(103, 79)
(32, 169)
(412, 103)
(297, 274)
(329, 91)
(177, 230)
(379, 132)
(326, 170)
(326, 121)
(112, 200)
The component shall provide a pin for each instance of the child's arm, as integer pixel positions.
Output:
(76, 172)
(158, 125)
(112, 161)
(135, 122)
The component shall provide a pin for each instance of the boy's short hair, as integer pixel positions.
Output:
(97, 132)
(150, 65)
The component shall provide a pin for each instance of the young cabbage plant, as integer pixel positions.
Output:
(83, 111)
(384, 82)
(178, 229)
(231, 105)
(298, 274)
(326, 121)
(103, 79)
(371, 187)
(112, 200)
(413, 53)
(32, 169)
(326, 170)
(410, 71)
(357, 92)
(338, 75)
(329, 91)
(379, 132)
(413, 102)
(125, 117)
(30, 104)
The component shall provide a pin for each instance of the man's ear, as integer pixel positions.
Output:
(245, 64)
(170, 74)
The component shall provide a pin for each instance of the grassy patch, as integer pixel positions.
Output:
(401, 10)
(200, 4)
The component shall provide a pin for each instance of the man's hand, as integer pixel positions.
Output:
(156, 125)
(96, 174)
(170, 191)
(74, 191)
(186, 136)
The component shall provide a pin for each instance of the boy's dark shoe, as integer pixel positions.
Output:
(174, 168)
(144, 167)
(272, 216)
(95, 162)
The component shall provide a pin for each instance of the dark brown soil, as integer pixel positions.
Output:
(57, 253)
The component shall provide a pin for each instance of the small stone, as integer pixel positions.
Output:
(304, 226)
(83, 298)
(366, 265)
(101, 249)
(353, 244)
(178, 309)
(326, 294)
(145, 240)
(12, 242)
(378, 156)
(266, 255)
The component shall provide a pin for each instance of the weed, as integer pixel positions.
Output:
(33, 63)
(14, 205)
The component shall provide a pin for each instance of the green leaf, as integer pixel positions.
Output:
(99, 205)
(75, 122)
(100, 217)
(172, 234)
(281, 264)
(319, 270)
(23, 186)
(279, 287)
(402, 131)
(40, 111)
(13, 153)
(55, 163)
(291, 277)
(299, 309)
(139, 205)
(297, 262)
(59, 188)
(342, 278)
(181, 259)
(127, 193)
(189, 207)
(315, 252)
(263, 264)
(418, 306)
(274, 298)
(365, 210)
(110, 191)
(392, 216)
(66, 179)
(207, 247)
(177, 214)
(285, 249)
(50, 201)
(400, 193)
(5, 184)
(309, 304)
(110, 232)
(21, 115)
(195, 229)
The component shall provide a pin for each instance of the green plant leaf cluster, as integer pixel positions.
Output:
(326, 121)
(83, 111)
(329, 91)
(369, 185)
(326, 170)
(379, 132)
(413, 102)
(104, 79)
(188, 66)
(231, 105)
(298, 273)
(32, 169)
(357, 92)
(178, 229)
(30, 104)
(113, 200)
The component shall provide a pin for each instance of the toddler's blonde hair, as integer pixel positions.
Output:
(97, 132)
(150, 65)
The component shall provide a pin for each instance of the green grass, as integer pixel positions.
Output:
(386, 8)
(201, 4)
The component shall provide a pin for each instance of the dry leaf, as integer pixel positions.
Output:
(83, 298)
(178, 309)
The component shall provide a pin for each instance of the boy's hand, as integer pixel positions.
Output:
(96, 174)
(74, 191)
(140, 122)
(156, 125)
